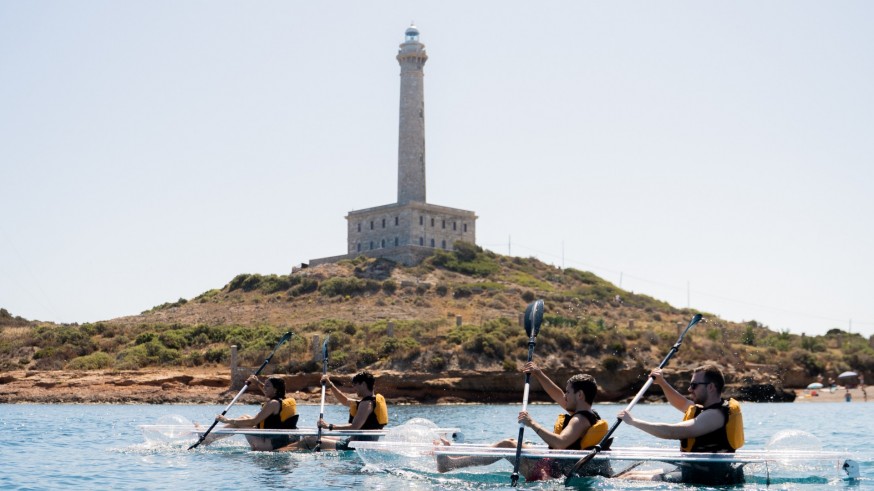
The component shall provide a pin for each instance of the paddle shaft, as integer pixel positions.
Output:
(514, 478)
(242, 391)
(676, 347)
(322, 405)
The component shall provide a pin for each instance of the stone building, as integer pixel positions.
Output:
(411, 229)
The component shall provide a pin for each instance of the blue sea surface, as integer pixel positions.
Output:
(102, 447)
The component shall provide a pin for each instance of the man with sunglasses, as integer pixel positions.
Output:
(710, 424)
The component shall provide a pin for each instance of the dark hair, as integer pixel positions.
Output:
(712, 375)
(366, 377)
(586, 383)
(279, 385)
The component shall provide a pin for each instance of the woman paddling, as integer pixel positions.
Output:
(279, 412)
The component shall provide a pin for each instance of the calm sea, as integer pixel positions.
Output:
(102, 447)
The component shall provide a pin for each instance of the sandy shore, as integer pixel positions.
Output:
(826, 395)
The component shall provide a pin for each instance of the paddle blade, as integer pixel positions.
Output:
(285, 337)
(325, 349)
(533, 318)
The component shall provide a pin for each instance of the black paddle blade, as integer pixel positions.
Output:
(325, 348)
(285, 337)
(533, 318)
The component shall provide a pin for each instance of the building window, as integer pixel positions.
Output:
(396, 241)
(421, 220)
(359, 226)
(432, 222)
(371, 245)
(383, 223)
(359, 247)
(465, 228)
(421, 241)
(396, 221)
(443, 244)
(444, 223)
(432, 242)
(371, 225)
(454, 226)
(383, 243)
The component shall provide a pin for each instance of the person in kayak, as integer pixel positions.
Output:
(710, 424)
(368, 412)
(577, 427)
(279, 412)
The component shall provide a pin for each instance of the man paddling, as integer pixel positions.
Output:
(710, 424)
(368, 412)
(577, 427)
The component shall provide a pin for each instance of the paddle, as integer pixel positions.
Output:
(585, 460)
(533, 319)
(322, 407)
(285, 337)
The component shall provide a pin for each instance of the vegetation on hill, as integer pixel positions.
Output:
(456, 310)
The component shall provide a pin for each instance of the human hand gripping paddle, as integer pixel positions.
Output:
(533, 319)
(322, 407)
(585, 460)
(285, 337)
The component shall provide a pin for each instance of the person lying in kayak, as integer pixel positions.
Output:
(710, 424)
(578, 427)
(368, 412)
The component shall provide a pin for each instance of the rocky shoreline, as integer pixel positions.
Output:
(213, 386)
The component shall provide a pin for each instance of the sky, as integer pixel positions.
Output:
(714, 155)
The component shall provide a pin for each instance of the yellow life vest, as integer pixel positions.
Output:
(734, 425)
(591, 437)
(380, 409)
(286, 411)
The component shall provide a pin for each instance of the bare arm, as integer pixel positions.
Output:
(272, 407)
(575, 429)
(673, 396)
(364, 410)
(341, 397)
(554, 391)
(705, 423)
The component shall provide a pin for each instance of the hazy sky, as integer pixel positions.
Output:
(712, 154)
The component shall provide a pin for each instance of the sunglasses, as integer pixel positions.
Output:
(692, 385)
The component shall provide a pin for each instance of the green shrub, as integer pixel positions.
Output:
(95, 361)
(462, 292)
(333, 287)
(611, 363)
(436, 363)
(216, 355)
(173, 339)
(487, 345)
(366, 356)
(389, 287)
(466, 259)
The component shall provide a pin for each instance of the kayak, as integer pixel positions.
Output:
(758, 465)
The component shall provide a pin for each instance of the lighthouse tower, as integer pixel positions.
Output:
(411, 127)
(411, 229)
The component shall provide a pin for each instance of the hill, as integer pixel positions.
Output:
(447, 329)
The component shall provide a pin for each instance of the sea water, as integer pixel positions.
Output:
(102, 447)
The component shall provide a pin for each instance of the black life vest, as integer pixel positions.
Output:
(377, 418)
(285, 419)
(725, 439)
(593, 435)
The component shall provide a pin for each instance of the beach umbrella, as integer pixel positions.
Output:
(815, 385)
(848, 375)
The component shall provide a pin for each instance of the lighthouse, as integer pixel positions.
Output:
(411, 122)
(410, 229)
